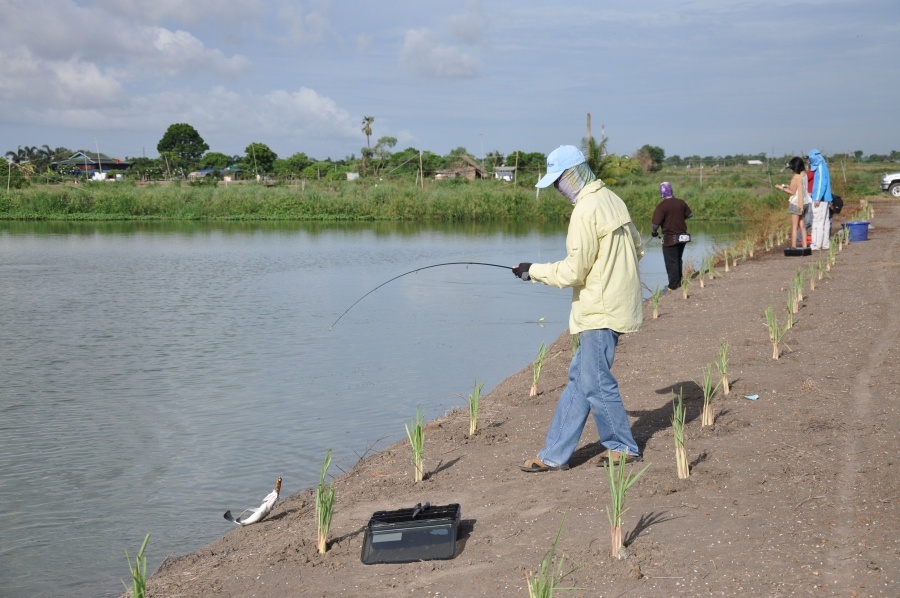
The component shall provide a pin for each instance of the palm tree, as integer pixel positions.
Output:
(45, 156)
(367, 128)
(22, 154)
(599, 159)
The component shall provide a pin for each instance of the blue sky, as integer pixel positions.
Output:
(707, 77)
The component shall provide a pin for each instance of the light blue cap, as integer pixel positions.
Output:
(561, 159)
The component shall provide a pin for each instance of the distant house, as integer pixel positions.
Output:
(90, 162)
(462, 166)
(199, 174)
(505, 173)
(754, 162)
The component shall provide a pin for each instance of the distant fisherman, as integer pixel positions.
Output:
(821, 202)
(671, 215)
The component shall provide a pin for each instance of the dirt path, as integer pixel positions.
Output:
(793, 493)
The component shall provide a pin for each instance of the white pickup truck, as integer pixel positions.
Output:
(891, 183)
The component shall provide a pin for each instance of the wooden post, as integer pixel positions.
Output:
(516, 171)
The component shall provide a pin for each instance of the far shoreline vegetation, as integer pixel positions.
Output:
(727, 194)
(189, 183)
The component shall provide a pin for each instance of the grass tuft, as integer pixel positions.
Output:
(547, 579)
(537, 366)
(416, 436)
(324, 506)
(138, 571)
(474, 400)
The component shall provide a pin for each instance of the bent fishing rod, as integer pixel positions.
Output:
(413, 272)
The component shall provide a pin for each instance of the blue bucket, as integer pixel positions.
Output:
(859, 231)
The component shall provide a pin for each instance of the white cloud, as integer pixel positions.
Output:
(179, 51)
(470, 26)
(179, 11)
(363, 43)
(425, 57)
(36, 83)
(110, 43)
(304, 26)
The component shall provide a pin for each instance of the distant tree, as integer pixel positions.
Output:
(23, 155)
(259, 158)
(43, 157)
(642, 156)
(620, 166)
(182, 147)
(527, 163)
(11, 176)
(382, 152)
(603, 164)
(318, 170)
(293, 164)
(146, 168)
(215, 161)
(367, 156)
(858, 154)
(493, 159)
(367, 128)
(460, 151)
(657, 153)
(650, 157)
(406, 163)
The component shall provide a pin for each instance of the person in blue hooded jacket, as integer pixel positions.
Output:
(821, 202)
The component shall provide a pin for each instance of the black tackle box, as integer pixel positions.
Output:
(797, 251)
(421, 533)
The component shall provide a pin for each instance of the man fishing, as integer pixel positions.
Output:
(603, 248)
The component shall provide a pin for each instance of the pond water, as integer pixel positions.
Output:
(155, 375)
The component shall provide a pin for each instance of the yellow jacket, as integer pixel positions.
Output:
(603, 248)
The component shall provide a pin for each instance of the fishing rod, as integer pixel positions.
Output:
(413, 272)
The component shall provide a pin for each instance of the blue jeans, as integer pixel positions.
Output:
(592, 387)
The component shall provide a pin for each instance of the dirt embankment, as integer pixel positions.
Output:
(795, 492)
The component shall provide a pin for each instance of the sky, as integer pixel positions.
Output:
(701, 77)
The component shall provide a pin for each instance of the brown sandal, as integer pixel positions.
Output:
(603, 458)
(537, 466)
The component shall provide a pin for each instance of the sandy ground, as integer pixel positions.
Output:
(795, 493)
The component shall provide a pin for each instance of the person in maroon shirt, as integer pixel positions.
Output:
(671, 215)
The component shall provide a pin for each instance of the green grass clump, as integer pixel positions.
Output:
(619, 483)
(678, 418)
(537, 366)
(722, 365)
(776, 332)
(473, 401)
(138, 571)
(547, 579)
(324, 507)
(709, 389)
(416, 435)
(654, 301)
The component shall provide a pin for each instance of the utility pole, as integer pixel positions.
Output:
(482, 154)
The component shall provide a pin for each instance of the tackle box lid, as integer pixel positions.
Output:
(420, 533)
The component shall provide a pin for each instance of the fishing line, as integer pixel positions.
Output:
(413, 272)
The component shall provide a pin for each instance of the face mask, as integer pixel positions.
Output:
(573, 180)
